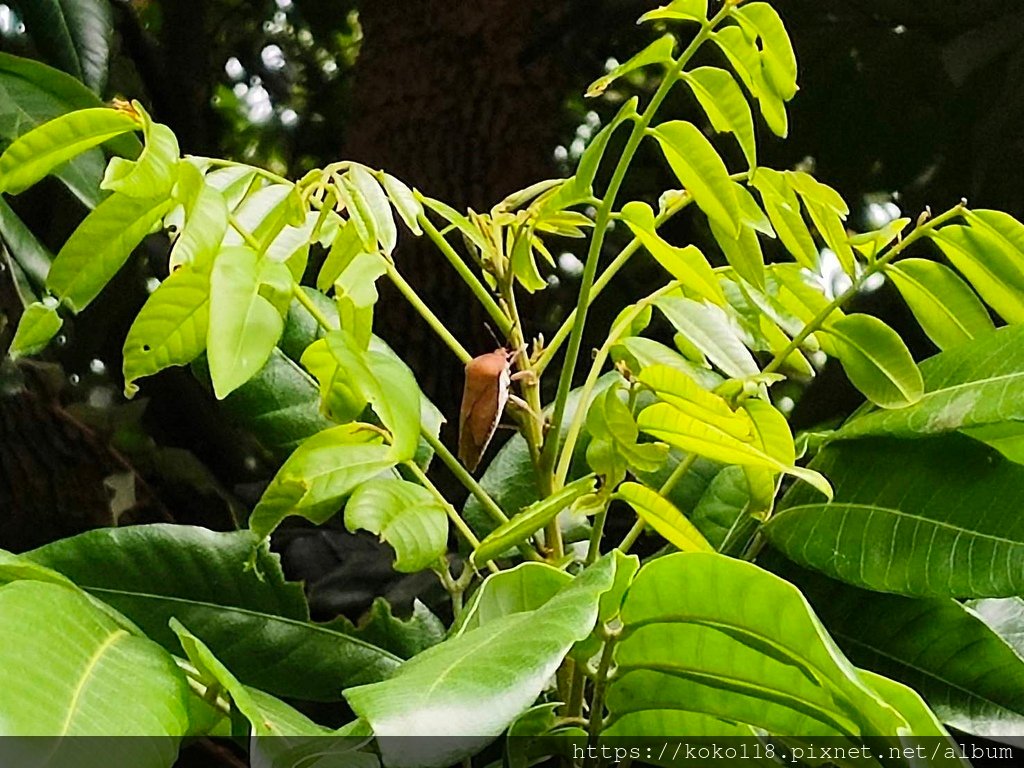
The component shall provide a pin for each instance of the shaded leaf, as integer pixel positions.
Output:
(876, 360)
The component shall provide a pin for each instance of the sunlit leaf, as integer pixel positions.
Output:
(700, 169)
(745, 57)
(404, 200)
(679, 10)
(945, 306)
(663, 517)
(524, 588)
(156, 170)
(994, 269)
(171, 327)
(779, 60)
(658, 52)
(707, 327)
(38, 325)
(376, 205)
(405, 515)
(877, 361)
(101, 245)
(725, 105)
(783, 207)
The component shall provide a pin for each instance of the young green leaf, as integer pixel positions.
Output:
(156, 170)
(745, 57)
(679, 10)
(709, 328)
(687, 265)
(42, 150)
(356, 294)
(658, 52)
(994, 269)
(38, 325)
(171, 328)
(340, 399)
(726, 107)
(406, 516)
(530, 520)
(870, 244)
(778, 58)
(206, 222)
(685, 394)
(244, 325)
(700, 169)
(101, 245)
(404, 200)
(662, 516)
(613, 446)
(947, 309)
(876, 360)
(320, 474)
(783, 207)
(372, 200)
(828, 211)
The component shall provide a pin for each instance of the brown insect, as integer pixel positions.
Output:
(483, 400)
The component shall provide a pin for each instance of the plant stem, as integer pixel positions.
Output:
(313, 309)
(616, 264)
(600, 686)
(453, 515)
(817, 321)
(269, 175)
(251, 241)
(673, 479)
(479, 289)
(425, 312)
(463, 476)
(579, 417)
(600, 228)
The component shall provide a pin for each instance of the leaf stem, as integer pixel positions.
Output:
(453, 515)
(462, 475)
(427, 314)
(251, 241)
(640, 126)
(858, 283)
(471, 280)
(313, 309)
(601, 686)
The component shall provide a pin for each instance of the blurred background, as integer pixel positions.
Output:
(902, 105)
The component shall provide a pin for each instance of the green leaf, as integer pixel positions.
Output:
(580, 186)
(1006, 437)
(945, 526)
(368, 195)
(725, 105)
(156, 170)
(38, 325)
(658, 52)
(356, 293)
(679, 10)
(403, 637)
(947, 309)
(321, 473)
(406, 516)
(29, 254)
(701, 422)
(171, 327)
(699, 168)
(68, 669)
(723, 506)
(206, 223)
(783, 207)
(530, 520)
(523, 588)
(876, 360)
(973, 385)
(870, 244)
(266, 716)
(828, 211)
(250, 616)
(405, 202)
(739, 645)
(745, 57)
(101, 245)
(965, 670)
(709, 328)
(31, 94)
(341, 401)
(244, 325)
(36, 154)
(383, 380)
(994, 269)
(663, 517)
(73, 34)
(639, 352)
(687, 265)
(613, 446)
(778, 58)
(476, 684)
